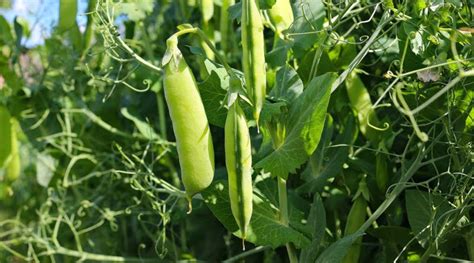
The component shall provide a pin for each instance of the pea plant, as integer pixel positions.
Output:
(239, 131)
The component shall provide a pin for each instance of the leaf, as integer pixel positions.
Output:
(288, 85)
(396, 234)
(309, 17)
(143, 127)
(45, 167)
(213, 96)
(265, 228)
(426, 210)
(305, 125)
(5, 31)
(416, 42)
(336, 252)
(271, 110)
(317, 222)
(235, 11)
(135, 10)
(278, 55)
(337, 157)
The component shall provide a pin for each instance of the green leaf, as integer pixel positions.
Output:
(306, 23)
(279, 53)
(265, 228)
(135, 10)
(305, 125)
(235, 11)
(288, 85)
(317, 222)
(143, 127)
(426, 210)
(396, 234)
(336, 252)
(213, 95)
(266, 4)
(5, 31)
(45, 167)
(321, 172)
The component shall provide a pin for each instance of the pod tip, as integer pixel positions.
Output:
(190, 205)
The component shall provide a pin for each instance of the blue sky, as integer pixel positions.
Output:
(42, 16)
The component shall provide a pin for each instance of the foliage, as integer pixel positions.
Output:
(366, 101)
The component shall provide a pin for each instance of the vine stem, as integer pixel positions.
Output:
(246, 254)
(203, 36)
(283, 200)
(97, 257)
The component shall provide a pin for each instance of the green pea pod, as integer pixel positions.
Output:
(238, 159)
(5, 135)
(281, 15)
(190, 124)
(253, 46)
(13, 165)
(207, 9)
(356, 218)
(381, 169)
(225, 23)
(360, 100)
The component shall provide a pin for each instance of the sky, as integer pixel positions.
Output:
(42, 16)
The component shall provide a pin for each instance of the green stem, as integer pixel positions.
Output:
(470, 243)
(283, 201)
(98, 257)
(246, 254)
(386, 17)
(203, 36)
(161, 115)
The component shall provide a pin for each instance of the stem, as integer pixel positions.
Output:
(161, 114)
(246, 254)
(98, 257)
(283, 200)
(204, 37)
(386, 17)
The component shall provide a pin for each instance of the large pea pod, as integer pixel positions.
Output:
(356, 219)
(190, 124)
(238, 159)
(207, 9)
(253, 46)
(360, 100)
(13, 165)
(5, 135)
(281, 15)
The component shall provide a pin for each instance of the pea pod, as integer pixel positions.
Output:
(381, 169)
(5, 135)
(281, 15)
(356, 218)
(190, 124)
(13, 165)
(238, 159)
(207, 9)
(360, 100)
(225, 23)
(253, 46)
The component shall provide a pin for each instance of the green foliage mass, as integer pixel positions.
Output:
(368, 113)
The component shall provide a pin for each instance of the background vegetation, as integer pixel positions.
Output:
(389, 178)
